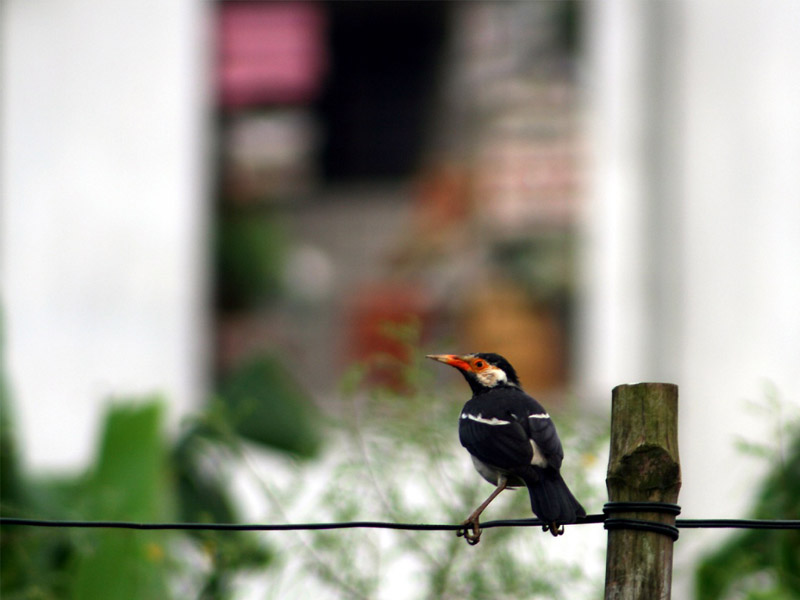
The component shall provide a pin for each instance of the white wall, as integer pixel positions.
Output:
(103, 221)
(693, 230)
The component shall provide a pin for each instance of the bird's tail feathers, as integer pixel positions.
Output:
(551, 499)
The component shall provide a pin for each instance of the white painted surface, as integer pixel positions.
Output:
(693, 229)
(103, 186)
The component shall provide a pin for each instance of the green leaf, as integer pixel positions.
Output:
(756, 555)
(249, 260)
(268, 406)
(127, 484)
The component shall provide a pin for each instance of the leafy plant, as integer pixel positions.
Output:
(248, 253)
(394, 456)
(126, 482)
(762, 564)
(139, 476)
(264, 404)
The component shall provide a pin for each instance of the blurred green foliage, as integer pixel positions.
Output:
(249, 257)
(126, 482)
(397, 458)
(138, 475)
(394, 456)
(201, 466)
(10, 481)
(266, 405)
(762, 564)
(544, 265)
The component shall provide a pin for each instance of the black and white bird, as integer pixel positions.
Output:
(512, 441)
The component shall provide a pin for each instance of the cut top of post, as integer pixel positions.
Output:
(644, 464)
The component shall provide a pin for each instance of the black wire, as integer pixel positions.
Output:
(229, 526)
(589, 519)
(278, 527)
(653, 507)
(613, 523)
(737, 524)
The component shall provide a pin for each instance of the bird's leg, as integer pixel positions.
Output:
(471, 527)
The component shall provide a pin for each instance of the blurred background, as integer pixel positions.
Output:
(226, 224)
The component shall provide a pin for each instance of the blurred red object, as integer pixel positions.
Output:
(377, 309)
(270, 52)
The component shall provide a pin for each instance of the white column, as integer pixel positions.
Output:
(104, 211)
(616, 253)
(741, 260)
(692, 256)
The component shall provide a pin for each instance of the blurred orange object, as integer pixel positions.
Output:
(500, 317)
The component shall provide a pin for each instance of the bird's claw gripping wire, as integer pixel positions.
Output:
(470, 531)
(554, 528)
(473, 521)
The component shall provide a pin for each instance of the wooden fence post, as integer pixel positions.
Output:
(643, 466)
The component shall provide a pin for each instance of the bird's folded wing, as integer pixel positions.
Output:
(503, 444)
(542, 431)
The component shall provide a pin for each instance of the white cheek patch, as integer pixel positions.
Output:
(492, 376)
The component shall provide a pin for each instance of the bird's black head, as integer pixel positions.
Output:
(483, 371)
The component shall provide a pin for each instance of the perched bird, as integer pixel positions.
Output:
(512, 440)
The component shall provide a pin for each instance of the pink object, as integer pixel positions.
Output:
(270, 52)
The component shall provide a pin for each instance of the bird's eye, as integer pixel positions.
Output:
(479, 364)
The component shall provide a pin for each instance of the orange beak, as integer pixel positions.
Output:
(451, 359)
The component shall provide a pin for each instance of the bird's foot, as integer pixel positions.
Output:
(554, 528)
(470, 531)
